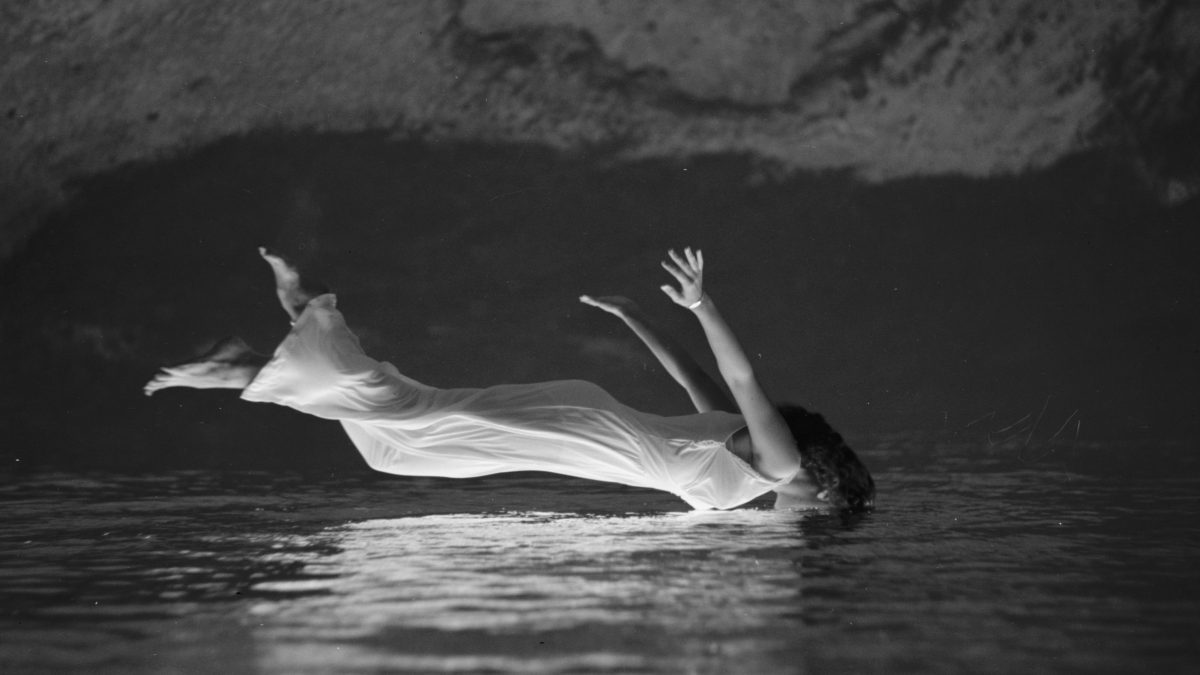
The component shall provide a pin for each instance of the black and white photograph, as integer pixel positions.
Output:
(599, 336)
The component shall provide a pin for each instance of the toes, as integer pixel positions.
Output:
(272, 257)
(173, 376)
(154, 385)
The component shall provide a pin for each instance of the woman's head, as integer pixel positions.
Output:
(841, 478)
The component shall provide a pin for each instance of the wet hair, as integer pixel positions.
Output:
(842, 479)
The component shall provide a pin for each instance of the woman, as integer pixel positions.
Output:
(843, 481)
(713, 459)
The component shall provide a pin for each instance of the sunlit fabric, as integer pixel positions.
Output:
(569, 427)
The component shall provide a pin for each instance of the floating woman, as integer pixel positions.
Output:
(728, 453)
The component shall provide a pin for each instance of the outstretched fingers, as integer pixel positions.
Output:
(691, 262)
(617, 305)
(688, 270)
(680, 275)
(683, 264)
(599, 303)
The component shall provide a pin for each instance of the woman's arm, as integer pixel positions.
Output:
(774, 447)
(705, 393)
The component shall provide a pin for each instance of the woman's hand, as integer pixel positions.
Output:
(688, 270)
(617, 305)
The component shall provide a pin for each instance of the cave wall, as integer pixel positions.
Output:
(880, 89)
(968, 217)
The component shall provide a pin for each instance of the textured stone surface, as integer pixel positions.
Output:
(882, 89)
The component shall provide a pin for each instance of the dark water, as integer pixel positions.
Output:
(978, 559)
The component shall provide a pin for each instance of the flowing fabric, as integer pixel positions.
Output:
(569, 427)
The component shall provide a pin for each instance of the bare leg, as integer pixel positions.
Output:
(293, 293)
(231, 364)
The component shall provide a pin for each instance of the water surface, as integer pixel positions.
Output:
(979, 559)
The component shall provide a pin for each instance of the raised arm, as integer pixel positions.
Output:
(705, 393)
(773, 446)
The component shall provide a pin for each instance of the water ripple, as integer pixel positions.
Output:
(975, 561)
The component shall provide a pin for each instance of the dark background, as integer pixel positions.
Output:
(1059, 306)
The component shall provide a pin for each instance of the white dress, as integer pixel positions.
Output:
(569, 427)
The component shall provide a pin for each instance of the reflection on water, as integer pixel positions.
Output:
(977, 560)
(543, 591)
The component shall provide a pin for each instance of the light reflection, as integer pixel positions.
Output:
(675, 582)
(958, 571)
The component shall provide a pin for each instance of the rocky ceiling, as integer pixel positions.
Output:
(883, 89)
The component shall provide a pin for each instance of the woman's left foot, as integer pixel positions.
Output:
(293, 293)
(231, 364)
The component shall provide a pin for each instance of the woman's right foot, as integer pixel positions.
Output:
(291, 291)
(231, 364)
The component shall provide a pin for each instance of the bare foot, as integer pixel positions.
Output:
(291, 291)
(231, 364)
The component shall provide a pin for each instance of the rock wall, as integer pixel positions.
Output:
(881, 89)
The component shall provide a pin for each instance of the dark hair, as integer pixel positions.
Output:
(840, 476)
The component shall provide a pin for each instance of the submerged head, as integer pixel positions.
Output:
(840, 479)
